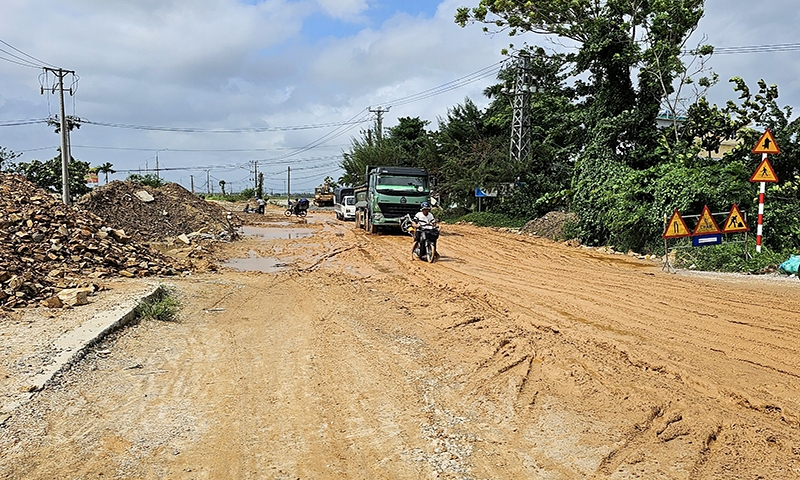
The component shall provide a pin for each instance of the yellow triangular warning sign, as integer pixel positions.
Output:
(706, 224)
(767, 144)
(676, 227)
(764, 173)
(735, 222)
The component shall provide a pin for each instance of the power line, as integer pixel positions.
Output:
(778, 47)
(181, 150)
(221, 130)
(16, 123)
(41, 63)
(23, 64)
(478, 75)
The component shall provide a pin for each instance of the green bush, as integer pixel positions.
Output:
(730, 257)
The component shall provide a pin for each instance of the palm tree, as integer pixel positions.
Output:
(106, 168)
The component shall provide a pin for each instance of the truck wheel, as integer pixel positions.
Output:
(371, 228)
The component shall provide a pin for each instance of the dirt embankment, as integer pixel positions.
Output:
(512, 357)
(156, 214)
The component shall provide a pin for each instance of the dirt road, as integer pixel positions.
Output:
(512, 357)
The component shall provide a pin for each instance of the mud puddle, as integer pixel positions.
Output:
(276, 233)
(254, 263)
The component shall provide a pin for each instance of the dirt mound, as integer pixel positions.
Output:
(551, 225)
(46, 246)
(155, 214)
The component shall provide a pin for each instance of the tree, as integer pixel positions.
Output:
(6, 157)
(364, 152)
(627, 61)
(330, 182)
(222, 186)
(106, 169)
(47, 175)
(149, 179)
(406, 144)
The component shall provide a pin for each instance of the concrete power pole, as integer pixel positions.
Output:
(288, 183)
(379, 111)
(521, 120)
(65, 153)
(192, 182)
(255, 175)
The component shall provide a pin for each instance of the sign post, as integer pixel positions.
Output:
(763, 174)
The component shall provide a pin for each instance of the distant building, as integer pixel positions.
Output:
(666, 119)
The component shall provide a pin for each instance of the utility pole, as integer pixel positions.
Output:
(159, 150)
(208, 181)
(191, 177)
(65, 154)
(521, 120)
(379, 111)
(288, 183)
(255, 175)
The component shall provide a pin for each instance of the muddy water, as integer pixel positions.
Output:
(254, 263)
(267, 233)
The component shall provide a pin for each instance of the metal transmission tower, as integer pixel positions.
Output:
(521, 101)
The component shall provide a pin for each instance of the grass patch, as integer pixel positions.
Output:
(485, 219)
(730, 258)
(163, 306)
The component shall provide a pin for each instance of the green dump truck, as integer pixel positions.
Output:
(388, 195)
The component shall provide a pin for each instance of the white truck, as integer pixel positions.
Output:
(346, 209)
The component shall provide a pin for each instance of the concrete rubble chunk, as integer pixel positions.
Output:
(52, 302)
(183, 238)
(74, 296)
(144, 196)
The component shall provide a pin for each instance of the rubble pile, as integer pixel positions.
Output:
(551, 225)
(47, 246)
(157, 214)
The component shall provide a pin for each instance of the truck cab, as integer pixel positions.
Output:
(346, 210)
(389, 194)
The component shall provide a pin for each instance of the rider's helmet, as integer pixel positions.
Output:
(424, 206)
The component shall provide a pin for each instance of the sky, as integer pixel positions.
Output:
(209, 88)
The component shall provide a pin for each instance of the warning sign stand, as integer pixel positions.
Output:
(706, 231)
(764, 174)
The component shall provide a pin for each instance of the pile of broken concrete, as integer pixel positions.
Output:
(159, 214)
(47, 246)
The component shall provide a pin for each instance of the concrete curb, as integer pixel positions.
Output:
(74, 345)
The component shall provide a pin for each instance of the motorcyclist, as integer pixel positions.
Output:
(423, 217)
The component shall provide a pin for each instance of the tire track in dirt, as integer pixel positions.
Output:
(511, 358)
(624, 324)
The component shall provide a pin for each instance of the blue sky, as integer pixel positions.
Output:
(234, 64)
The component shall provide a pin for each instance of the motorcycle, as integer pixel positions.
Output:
(425, 249)
(298, 208)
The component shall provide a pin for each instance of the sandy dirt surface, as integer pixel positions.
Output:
(512, 357)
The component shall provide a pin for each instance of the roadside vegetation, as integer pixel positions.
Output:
(622, 133)
(164, 306)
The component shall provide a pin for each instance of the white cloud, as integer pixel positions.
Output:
(229, 64)
(343, 9)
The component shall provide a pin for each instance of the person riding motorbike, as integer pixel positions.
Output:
(423, 217)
